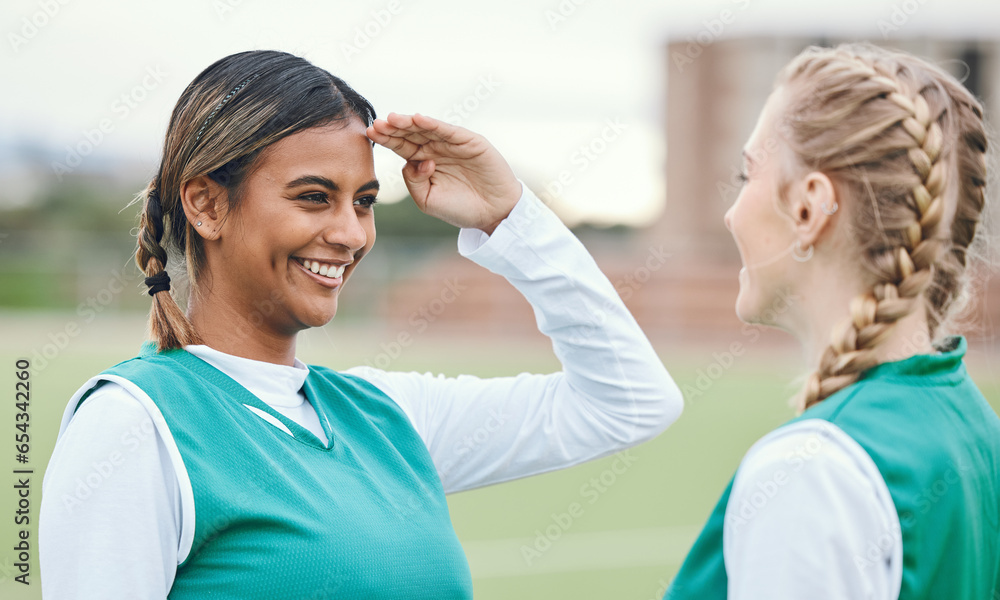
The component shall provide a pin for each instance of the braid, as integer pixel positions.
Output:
(883, 118)
(167, 324)
(950, 276)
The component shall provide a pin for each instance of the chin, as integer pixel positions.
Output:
(748, 308)
(319, 318)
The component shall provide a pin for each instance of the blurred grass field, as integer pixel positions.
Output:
(632, 529)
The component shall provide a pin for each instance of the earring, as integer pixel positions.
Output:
(801, 255)
(830, 211)
(198, 224)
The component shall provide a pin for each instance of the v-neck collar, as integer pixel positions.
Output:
(299, 433)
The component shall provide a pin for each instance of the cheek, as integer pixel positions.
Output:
(368, 225)
(738, 226)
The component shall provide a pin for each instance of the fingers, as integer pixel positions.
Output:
(400, 145)
(388, 128)
(429, 128)
(417, 176)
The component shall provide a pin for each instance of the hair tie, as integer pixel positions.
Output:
(158, 283)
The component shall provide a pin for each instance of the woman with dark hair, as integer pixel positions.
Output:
(217, 465)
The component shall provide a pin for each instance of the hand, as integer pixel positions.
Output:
(453, 174)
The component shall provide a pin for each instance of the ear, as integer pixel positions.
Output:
(206, 202)
(812, 205)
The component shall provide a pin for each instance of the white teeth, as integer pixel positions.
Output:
(331, 271)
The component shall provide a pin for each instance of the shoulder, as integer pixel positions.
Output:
(107, 404)
(369, 388)
(809, 505)
(806, 446)
(111, 424)
(810, 477)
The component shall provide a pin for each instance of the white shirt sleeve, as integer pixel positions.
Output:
(612, 393)
(109, 496)
(810, 516)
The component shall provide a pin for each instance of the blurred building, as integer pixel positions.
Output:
(679, 276)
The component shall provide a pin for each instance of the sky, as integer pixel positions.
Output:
(570, 91)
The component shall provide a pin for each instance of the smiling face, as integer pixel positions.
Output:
(304, 220)
(763, 231)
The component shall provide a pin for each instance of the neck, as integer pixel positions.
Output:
(224, 327)
(826, 311)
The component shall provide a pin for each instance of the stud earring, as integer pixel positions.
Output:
(801, 255)
(198, 224)
(830, 211)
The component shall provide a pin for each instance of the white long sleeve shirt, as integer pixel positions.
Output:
(810, 516)
(117, 513)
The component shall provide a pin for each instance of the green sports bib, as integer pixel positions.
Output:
(278, 516)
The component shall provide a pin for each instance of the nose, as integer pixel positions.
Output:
(728, 218)
(344, 228)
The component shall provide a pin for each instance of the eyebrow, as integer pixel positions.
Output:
(328, 183)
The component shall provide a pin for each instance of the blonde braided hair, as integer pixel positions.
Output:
(904, 143)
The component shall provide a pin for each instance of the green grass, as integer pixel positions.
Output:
(626, 541)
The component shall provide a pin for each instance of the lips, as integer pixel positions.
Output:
(327, 273)
(330, 270)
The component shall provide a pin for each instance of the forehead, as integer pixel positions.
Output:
(765, 133)
(339, 148)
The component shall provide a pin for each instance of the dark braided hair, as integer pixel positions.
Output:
(221, 123)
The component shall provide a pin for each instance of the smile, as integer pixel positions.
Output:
(327, 271)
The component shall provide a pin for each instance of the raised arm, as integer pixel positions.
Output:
(612, 393)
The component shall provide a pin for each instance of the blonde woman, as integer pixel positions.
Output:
(864, 187)
(217, 465)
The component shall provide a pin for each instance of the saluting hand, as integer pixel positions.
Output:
(452, 173)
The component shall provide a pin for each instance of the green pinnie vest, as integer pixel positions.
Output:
(286, 517)
(936, 442)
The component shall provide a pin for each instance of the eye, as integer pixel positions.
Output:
(366, 201)
(316, 198)
(742, 177)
